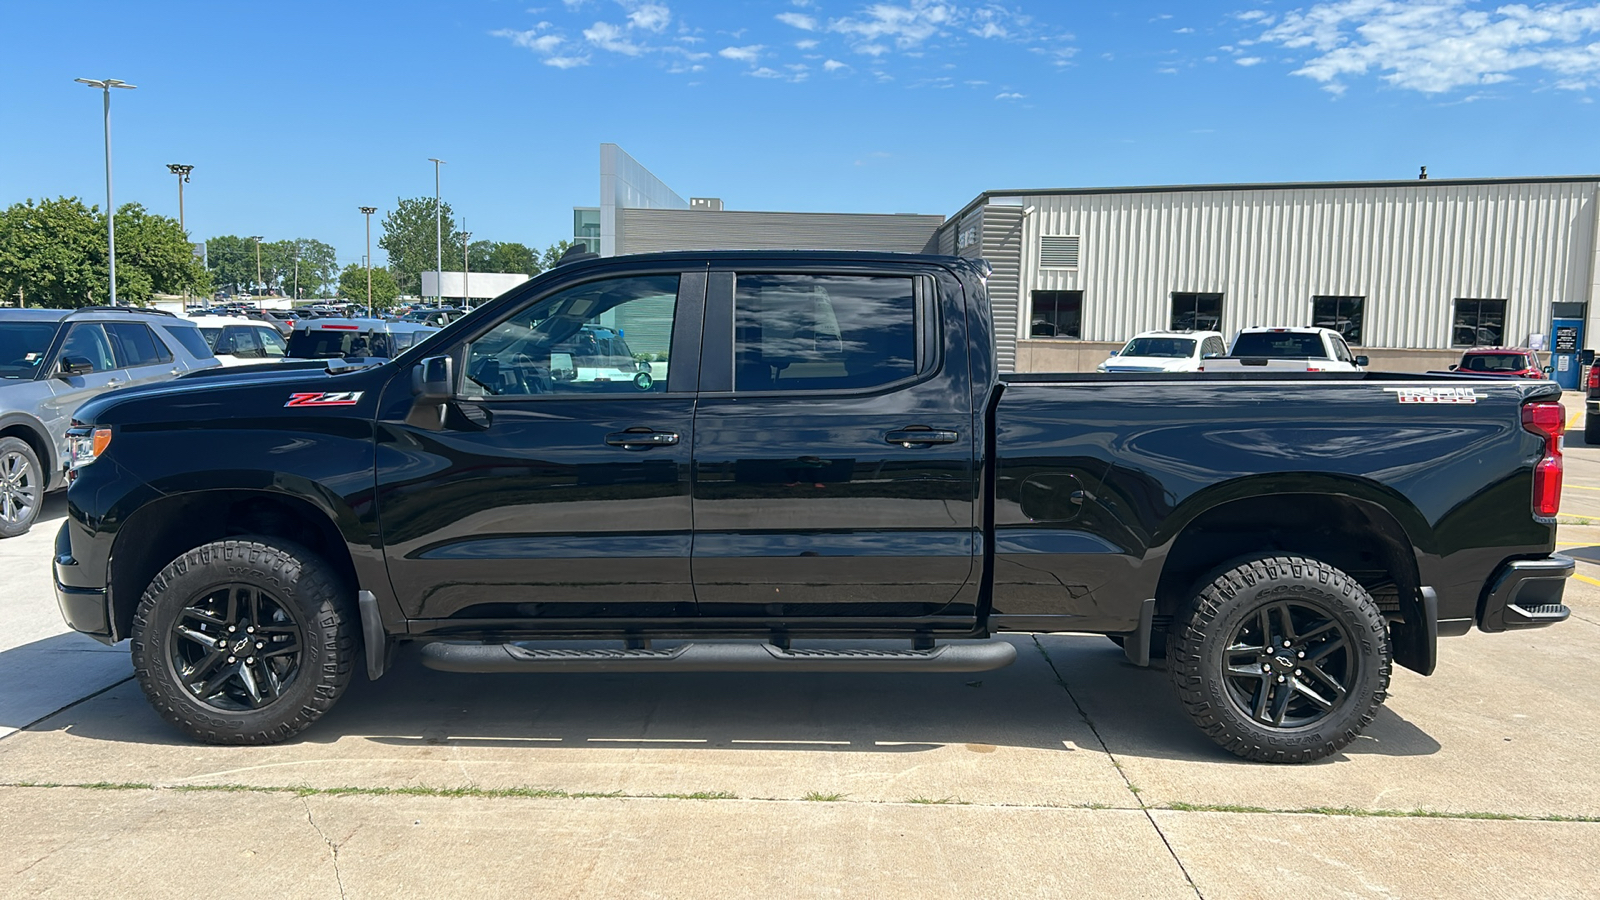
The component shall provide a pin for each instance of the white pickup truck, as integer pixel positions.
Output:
(1288, 349)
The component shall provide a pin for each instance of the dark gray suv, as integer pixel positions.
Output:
(51, 361)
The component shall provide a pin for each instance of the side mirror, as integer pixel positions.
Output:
(1453, 368)
(431, 380)
(1548, 369)
(1115, 352)
(1361, 361)
(1212, 356)
(73, 365)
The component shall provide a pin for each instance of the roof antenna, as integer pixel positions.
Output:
(578, 252)
(1424, 175)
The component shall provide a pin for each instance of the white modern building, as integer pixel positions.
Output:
(1411, 272)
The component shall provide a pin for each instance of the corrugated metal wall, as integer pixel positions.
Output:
(653, 230)
(995, 233)
(1411, 249)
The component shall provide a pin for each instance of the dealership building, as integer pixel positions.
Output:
(1410, 272)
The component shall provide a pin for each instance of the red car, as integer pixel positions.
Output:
(1507, 362)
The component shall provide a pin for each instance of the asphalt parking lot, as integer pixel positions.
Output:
(1068, 773)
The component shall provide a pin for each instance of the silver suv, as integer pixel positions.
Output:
(51, 361)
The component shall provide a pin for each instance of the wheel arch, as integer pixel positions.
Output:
(35, 435)
(1360, 527)
(160, 531)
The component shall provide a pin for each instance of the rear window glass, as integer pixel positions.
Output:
(191, 339)
(1496, 362)
(822, 332)
(22, 347)
(317, 344)
(1164, 348)
(1280, 345)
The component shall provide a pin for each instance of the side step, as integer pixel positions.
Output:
(980, 656)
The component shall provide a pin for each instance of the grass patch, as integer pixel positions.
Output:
(1356, 812)
(308, 791)
(941, 801)
(820, 797)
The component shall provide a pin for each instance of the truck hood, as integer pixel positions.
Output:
(237, 392)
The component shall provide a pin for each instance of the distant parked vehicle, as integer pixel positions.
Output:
(339, 338)
(241, 342)
(51, 362)
(1504, 362)
(1291, 349)
(1166, 351)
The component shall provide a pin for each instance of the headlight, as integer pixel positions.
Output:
(87, 442)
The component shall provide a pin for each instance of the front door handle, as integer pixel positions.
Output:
(641, 439)
(920, 434)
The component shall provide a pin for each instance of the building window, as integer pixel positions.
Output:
(1342, 314)
(1196, 312)
(1479, 323)
(1056, 314)
(586, 227)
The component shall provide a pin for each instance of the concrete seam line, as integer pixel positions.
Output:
(83, 699)
(1061, 680)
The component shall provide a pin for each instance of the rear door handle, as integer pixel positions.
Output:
(920, 434)
(641, 439)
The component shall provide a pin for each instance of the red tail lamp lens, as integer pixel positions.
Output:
(1548, 420)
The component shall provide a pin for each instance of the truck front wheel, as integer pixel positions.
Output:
(244, 641)
(1281, 659)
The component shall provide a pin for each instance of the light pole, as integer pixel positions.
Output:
(182, 172)
(106, 84)
(466, 267)
(368, 211)
(257, 239)
(438, 232)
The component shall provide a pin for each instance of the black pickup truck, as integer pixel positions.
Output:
(799, 446)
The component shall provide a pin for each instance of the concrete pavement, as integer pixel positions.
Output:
(1069, 773)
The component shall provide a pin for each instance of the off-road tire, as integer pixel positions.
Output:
(1198, 656)
(301, 583)
(37, 480)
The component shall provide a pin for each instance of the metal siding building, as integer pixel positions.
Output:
(650, 230)
(1409, 248)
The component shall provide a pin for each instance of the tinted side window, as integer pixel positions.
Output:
(87, 341)
(135, 345)
(604, 337)
(191, 339)
(822, 332)
(272, 345)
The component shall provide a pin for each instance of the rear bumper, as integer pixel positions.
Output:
(1526, 593)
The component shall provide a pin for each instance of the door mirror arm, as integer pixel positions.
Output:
(69, 366)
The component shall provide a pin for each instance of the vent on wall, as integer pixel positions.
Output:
(1058, 251)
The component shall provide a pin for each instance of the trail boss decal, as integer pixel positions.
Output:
(1434, 395)
(325, 398)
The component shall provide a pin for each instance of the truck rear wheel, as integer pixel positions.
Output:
(1281, 659)
(244, 641)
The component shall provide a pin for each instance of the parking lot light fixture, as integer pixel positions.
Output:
(182, 171)
(438, 232)
(106, 84)
(368, 211)
(257, 239)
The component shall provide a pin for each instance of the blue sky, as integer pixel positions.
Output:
(294, 113)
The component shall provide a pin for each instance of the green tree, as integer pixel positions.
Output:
(54, 252)
(409, 239)
(232, 260)
(353, 286)
(317, 266)
(511, 256)
(480, 256)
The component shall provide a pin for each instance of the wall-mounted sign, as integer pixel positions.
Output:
(1566, 339)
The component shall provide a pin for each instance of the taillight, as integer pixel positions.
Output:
(1548, 420)
(1594, 377)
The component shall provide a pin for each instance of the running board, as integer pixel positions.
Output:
(717, 657)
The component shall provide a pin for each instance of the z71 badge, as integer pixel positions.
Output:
(1434, 395)
(325, 398)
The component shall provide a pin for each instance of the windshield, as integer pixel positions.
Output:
(1495, 362)
(1279, 345)
(22, 347)
(338, 344)
(1162, 348)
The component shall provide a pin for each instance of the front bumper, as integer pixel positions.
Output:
(83, 606)
(1526, 593)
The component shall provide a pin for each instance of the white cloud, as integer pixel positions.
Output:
(872, 49)
(650, 16)
(798, 20)
(1433, 46)
(567, 62)
(1248, 61)
(1009, 95)
(611, 37)
(545, 44)
(1183, 31)
(833, 65)
(742, 54)
(806, 44)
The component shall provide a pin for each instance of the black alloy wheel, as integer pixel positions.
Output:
(21, 486)
(247, 640)
(236, 648)
(1289, 665)
(1281, 658)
